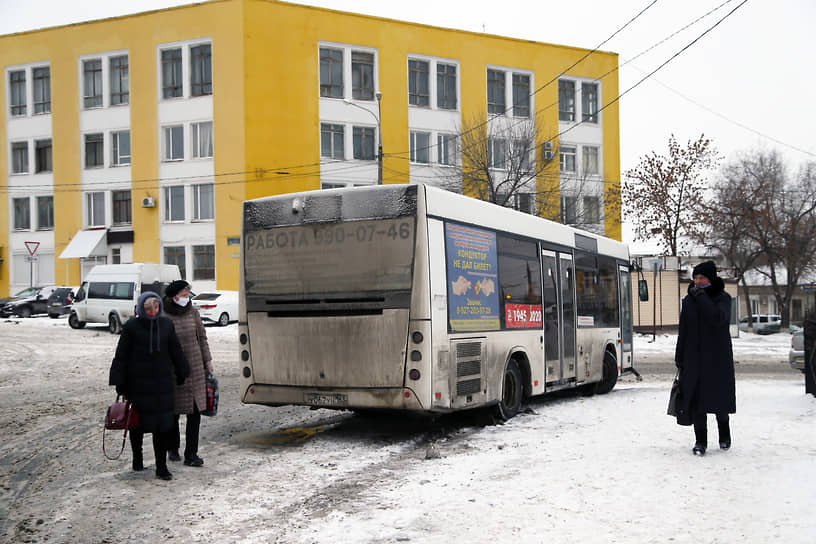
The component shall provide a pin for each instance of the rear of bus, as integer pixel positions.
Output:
(328, 282)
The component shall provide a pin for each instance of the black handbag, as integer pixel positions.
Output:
(674, 396)
(212, 396)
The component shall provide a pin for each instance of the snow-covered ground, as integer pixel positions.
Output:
(611, 468)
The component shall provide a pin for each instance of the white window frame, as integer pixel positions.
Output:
(347, 83)
(509, 104)
(565, 151)
(330, 130)
(91, 199)
(117, 157)
(446, 149)
(587, 151)
(373, 140)
(40, 224)
(496, 151)
(11, 104)
(21, 169)
(168, 140)
(417, 96)
(46, 90)
(197, 201)
(85, 95)
(417, 147)
(170, 199)
(587, 203)
(26, 207)
(196, 142)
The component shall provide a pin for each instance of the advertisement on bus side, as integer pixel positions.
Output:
(473, 298)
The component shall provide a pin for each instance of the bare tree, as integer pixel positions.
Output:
(663, 193)
(514, 163)
(780, 219)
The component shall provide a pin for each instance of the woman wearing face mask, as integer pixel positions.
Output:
(191, 397)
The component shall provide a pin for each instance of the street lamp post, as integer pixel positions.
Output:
(377, 118)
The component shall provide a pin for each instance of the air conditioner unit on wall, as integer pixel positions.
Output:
(148, 202)
(547, 155)
(548, 145)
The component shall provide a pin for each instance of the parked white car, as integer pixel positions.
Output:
(763, 324)
(219, 307)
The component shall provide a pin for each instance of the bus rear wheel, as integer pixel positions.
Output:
(610, 374)
(511, 392)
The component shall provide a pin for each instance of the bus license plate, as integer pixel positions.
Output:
(326, 399)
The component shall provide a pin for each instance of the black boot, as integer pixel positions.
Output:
(160, 449)
(724, 430)
(699, 449)
(191, 458)
(700, 434)
(136, 438)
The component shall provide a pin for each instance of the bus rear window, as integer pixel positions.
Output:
(330, 258)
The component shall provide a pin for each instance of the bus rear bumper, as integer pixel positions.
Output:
(397, 398)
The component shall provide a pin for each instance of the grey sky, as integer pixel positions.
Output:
(754, 68)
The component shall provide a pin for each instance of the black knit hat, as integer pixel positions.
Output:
(707, 269)
(175, 288)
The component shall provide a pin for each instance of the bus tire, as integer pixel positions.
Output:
(114, 325)
(610, 374)
(74, 322)
(511, 392)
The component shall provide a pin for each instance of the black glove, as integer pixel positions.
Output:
(120, 390)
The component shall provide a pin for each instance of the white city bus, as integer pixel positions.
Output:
(413, 298)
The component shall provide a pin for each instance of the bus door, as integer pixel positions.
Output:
(625, 293)
(558, 316)
(567, 274)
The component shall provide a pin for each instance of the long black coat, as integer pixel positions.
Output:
(704, 355)
(810, 356)
(147, 365)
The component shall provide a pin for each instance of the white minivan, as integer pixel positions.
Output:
(110, 291)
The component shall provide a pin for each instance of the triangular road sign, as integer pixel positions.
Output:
(32, 247)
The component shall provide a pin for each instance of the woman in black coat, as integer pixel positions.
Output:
(704, 357)
(810, 353)
(148, 363)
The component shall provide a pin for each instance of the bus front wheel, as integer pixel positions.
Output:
(610, 374)
(511, 392)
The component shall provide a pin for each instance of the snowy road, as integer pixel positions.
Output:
(600, 469)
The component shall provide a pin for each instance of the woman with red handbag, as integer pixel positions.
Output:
(149, 362)
(191, 396)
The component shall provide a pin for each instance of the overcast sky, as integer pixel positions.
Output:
(755, 69)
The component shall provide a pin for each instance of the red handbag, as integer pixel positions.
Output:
(121, 415)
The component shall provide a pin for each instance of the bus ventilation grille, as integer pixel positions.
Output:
(468, 368)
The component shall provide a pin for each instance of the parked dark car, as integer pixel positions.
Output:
(59, 303)
(28, 302)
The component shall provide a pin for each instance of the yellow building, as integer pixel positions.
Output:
(136, 139)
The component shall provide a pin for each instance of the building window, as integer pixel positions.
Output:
(174, 143)
(203, 202)
(22, 214)
(332, 145)
(495, 92)
(521, 95)
(420, 147)
(94, 147)
(42, 89)
(17, 88)
(446, 149)
(42, 156)
(175, 255)
(566, 100)
(19, 158)
(116, 255)
(119, 93)
(589, 102)
(592, 210)
(92, 78)
(120, 142)
(201, 70)
(174, 203)
(521, 155)
(589, 158)
(96, 209)
(202, 136)
(363, 143)
(567, 158)
(526, 203)
(172, 85)
(568, 212)
(203, 263)
(362, 75)
(331, 72)
(446, 86)
(121, 207)
(45, 212)
(496, 153)
(419, 93)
